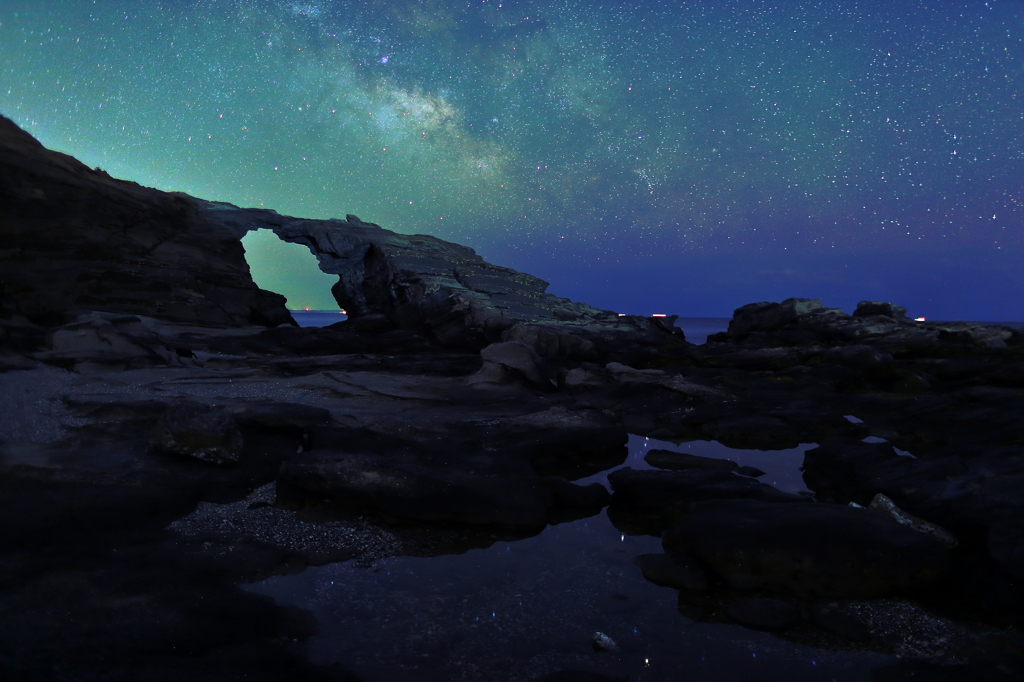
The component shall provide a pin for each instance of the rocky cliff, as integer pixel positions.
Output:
(75, 240)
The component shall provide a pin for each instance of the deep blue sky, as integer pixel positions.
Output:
(678, 157)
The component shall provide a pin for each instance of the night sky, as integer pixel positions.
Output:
(656, 156)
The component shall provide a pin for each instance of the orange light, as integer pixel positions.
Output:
(307, 307)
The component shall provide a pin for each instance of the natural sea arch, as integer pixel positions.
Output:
(290, 270)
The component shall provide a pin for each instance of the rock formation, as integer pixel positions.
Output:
(145, 378)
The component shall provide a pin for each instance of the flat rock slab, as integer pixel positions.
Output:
(809, 549)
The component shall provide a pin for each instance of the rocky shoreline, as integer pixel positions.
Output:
(149, 387)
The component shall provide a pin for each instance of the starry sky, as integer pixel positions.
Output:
(656, 156)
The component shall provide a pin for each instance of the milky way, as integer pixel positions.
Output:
(690, 155)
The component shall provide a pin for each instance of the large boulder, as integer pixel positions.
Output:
(809, 549)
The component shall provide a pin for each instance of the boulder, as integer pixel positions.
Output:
(767, 316)
(809, 549)
(551, 343)
(513, 355)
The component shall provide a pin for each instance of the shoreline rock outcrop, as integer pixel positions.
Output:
(145, 375)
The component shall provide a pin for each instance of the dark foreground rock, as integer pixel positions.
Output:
(810, 549)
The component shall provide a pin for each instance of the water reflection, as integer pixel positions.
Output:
(516, 611)
(781, 467)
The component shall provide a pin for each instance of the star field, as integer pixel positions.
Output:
(683, 155)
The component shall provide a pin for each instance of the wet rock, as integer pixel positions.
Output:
(763, 614)
(681, 572)
(666, 490)
(603, 642)
(832, 616)
(753, 472)
(196, 430)
(809, 549)
(883, 505)
(677, 461)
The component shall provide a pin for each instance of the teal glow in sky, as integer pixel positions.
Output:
(290, 270)
(683, 156)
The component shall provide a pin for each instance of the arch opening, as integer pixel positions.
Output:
(292, 271)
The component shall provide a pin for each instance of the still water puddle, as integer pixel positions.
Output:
(516, 611)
